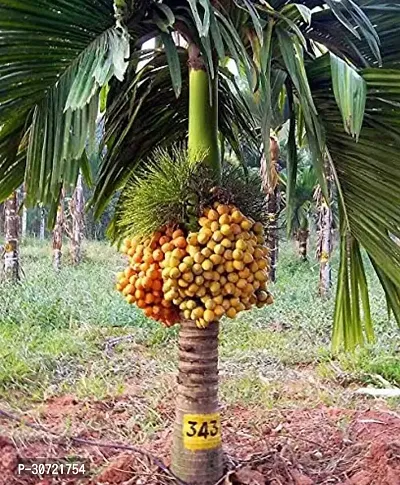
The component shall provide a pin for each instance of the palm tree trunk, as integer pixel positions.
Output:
(24, 222)
(42, 225)
(302, 241)
(24, 218)
(76, 209)
(325, 249)
(270, 186)
(203, 113)
(58, 234)
(272, 236)
(11, 247)
(197, 457)
(325, 232)
(197, 453)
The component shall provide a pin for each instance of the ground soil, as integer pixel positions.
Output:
(323, 445)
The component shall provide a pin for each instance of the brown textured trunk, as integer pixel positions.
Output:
(325, 250)
(58, 235)
(76, 209)
(270, 179)
(11, 247)
(272, 236)
(197, 451)
(302, 241)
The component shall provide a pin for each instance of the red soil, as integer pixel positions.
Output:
(322, 446)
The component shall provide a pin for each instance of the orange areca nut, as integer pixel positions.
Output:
(142, 282)
(219, 269)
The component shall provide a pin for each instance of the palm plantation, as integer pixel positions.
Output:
(327, 69)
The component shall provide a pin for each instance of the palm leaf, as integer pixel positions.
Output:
(144, 113)
(368, 178)
(350, 91)
(52, 66)
(385, 16)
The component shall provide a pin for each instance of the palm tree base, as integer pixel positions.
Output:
(197, 457)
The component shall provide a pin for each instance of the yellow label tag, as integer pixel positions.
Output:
(201, 431)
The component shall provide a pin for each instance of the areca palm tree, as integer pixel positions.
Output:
(2, 218)
(58, 232)
(76, 207)
(325, 237)
(316, 64)
(269, 173)
(11, 245)
(303, 208)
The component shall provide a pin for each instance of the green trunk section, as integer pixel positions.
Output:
(203, 119)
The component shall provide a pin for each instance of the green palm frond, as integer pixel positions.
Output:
(11, 171)
(352, 319)
(52, 66)
(144, 113)
(385, 16)
(368, 178)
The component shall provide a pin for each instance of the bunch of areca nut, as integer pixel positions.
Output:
(196, 249)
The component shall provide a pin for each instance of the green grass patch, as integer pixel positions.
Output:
(54, 328)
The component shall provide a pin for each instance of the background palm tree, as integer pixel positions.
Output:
(24, 215)
(325, 236)
(58, 61)
(11, 244)
(270, 183)
(42, 222)
(76, 207)
(2, 216)
(58, 232)
(303, 209)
